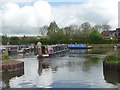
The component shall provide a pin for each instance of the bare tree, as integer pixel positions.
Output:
(86, 27)
(106, 27)
(43, 30)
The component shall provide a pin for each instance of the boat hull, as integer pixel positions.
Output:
(43, 56)
(79, 46)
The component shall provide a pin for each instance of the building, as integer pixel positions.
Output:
(114, 34)
(107, 34)
(118, 33)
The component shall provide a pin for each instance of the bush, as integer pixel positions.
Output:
(112, 59)
(5, 56)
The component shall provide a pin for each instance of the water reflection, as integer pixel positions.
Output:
(100, 51)
(45, 64)
(6, 76)
(74, 69)
(117, 52)
(89, 62)
(42, 65)
(78, 51)
(21, 56)
(45, 73)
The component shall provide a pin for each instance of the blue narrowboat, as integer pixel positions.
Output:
(78, 46)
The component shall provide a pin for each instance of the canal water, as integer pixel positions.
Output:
(71, 69)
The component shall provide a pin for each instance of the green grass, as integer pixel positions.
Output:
(112, 59)
(5, 58)
(106, 45)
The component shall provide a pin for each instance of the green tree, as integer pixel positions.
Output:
(95, 36)
(59, 35)
(5, 39)
(86, 27)
(14, 40)
(52, 30)
(67, 32)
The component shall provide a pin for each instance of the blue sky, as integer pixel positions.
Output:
(54, 4)
(64, 3)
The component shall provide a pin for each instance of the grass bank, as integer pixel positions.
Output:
(5, 58)
(104, 45)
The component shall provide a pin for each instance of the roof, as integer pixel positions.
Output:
(118, 29)
(107, 32)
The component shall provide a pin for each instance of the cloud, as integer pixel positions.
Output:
(27, 19)
(18, 20)
(43, 0)
(93, 11)
(0, 25)
(4, 1)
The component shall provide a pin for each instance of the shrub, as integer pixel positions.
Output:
(112, 59)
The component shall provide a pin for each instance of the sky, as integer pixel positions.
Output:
(25, 17)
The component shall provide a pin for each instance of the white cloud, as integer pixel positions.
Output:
(27, 19)
(4, 1)
(43, 0)
(0, 25)
(94, 11)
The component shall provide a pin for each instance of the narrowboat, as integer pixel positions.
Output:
(46, 51)
(42, 52)
(12, 49)
(58, 48)
(117, 46)
(79, 46)
(23, 49)
(2, 51)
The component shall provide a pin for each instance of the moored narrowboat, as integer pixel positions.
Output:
(42, 52)
(46, 51)
(79, 46)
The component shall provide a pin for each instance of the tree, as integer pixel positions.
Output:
(98, 28)
(85, 27)
(43, 30)
(5, 40)
(60, 34)
(95, 36)
(14, 41)
(106, 27)
(52, 29)
(68, 32)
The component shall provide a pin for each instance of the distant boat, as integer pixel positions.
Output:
(117, 46)
(46, 51)
(23, 49)
(79, 46)
(12, 49)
